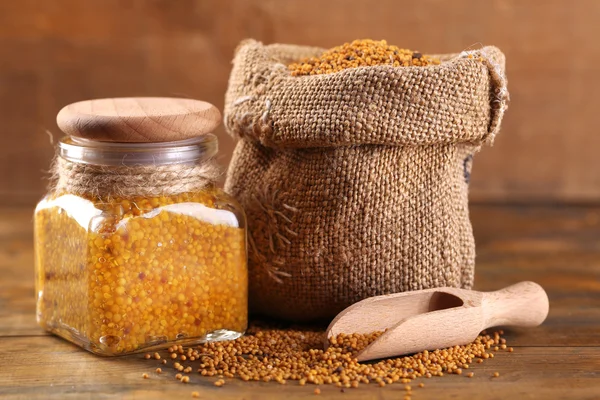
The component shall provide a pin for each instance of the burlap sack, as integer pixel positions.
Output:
(355, 183)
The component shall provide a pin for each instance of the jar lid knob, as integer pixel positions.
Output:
(138, 119)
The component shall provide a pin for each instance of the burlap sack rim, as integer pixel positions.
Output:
(489, 60)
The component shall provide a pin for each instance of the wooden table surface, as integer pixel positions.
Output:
(558, 247)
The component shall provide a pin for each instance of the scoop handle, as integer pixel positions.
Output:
(523, 304)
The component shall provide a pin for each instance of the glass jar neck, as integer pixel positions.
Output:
(189, 151)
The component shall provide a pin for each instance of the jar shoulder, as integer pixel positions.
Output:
(212, 205)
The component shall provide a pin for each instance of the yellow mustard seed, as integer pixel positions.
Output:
(496, 374)
(158, 370)
(317, 391)
(360, 53)
(195, 395)
(178, 376)
(145, 375)
(185, 379)
(134, 278)
(280, 355)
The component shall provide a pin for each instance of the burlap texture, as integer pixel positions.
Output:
(355, 183)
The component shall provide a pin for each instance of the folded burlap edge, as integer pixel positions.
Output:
(462, 100)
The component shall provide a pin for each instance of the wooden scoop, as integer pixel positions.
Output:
(437, 318)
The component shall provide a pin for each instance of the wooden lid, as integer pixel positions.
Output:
(138, 119)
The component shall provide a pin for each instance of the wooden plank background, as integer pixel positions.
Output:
(56, 52)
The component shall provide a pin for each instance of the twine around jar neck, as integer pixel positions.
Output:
(98, 169)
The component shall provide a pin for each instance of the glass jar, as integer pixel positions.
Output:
(119, 274)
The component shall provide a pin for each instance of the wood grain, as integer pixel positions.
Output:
(138, 119)
(49, 368)
(57, 52)
(555, 246)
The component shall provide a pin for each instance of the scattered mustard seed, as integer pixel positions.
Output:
(158, 370)
(145, 375)
(185, 379)
(317, 391)
(496, 374)
(281, 355)
(195, 395)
